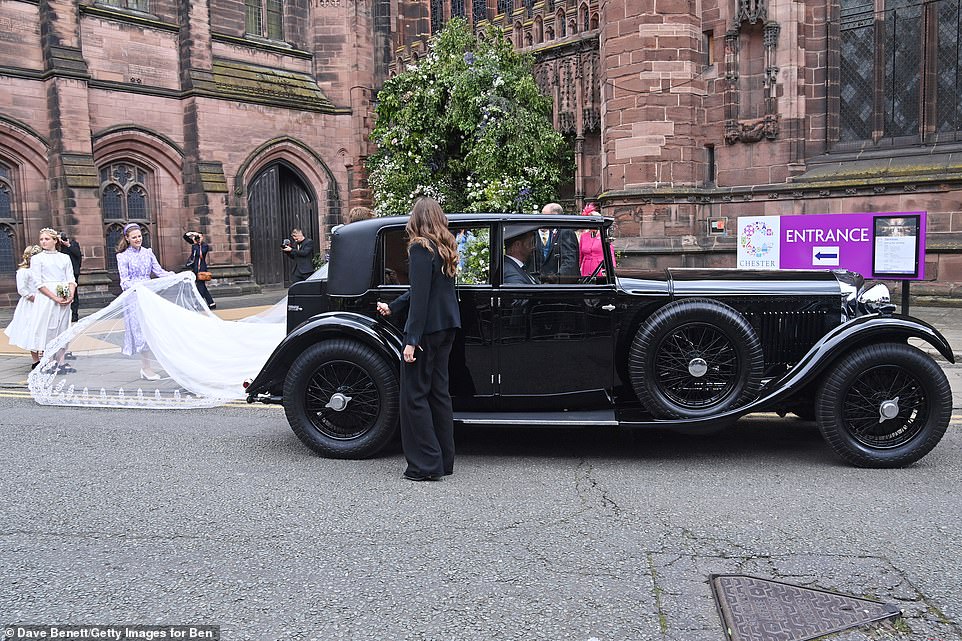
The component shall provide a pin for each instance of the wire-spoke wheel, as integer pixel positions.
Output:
(341, 399)
(695, 358)
(884, 405)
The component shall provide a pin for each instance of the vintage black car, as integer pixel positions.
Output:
(690, 349)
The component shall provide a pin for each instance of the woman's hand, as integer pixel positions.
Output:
(31, 297)
(409, 354)
(383, 309)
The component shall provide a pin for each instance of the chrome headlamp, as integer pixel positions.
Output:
(876, 299)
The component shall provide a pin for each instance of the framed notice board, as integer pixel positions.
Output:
(895, 247)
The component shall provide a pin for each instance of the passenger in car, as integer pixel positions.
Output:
(519, 242)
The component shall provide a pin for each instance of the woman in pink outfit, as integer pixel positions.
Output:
(590, 247)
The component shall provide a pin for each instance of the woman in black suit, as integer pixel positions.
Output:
(198, 263)
(427, 425)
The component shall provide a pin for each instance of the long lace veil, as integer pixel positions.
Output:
(161, 327)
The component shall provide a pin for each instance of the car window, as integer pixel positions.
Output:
(473, 256)
(551, 256)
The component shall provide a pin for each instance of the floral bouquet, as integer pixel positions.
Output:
(63, 290)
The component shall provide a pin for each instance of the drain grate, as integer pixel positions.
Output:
(754, 609)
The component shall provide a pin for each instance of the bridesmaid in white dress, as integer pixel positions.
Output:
(18, 329)
(53, 273)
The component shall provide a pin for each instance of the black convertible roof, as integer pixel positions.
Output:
(354, 246)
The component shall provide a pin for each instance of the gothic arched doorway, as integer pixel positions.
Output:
(279, 199)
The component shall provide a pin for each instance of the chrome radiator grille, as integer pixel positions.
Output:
(786, 336)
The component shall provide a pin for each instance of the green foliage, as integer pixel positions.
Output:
(474, 249)
(468, 126)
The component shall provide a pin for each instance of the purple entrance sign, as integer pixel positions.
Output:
(877, 245)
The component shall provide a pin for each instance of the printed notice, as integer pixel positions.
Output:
(896, 246)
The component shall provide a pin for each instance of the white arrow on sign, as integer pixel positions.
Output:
(827, 256)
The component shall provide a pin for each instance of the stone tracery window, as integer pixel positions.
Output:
(898, 70)
(9, 253)
(264, 18)
(479, 11)
(136, 5)
(437, 16)
(124, 198)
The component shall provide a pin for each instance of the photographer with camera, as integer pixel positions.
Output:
(197, 263)
(301, 251)
(72, 249)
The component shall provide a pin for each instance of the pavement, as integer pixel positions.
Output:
(15, 362)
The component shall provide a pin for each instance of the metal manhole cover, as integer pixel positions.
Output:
(754, 609)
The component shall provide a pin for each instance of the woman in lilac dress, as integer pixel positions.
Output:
(135, 264)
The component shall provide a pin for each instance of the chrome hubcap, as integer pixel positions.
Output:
(888, 409)
(338, 402)
(697, 367)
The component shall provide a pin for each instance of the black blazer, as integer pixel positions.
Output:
(562, 255)
(76, 256)
(432, 302)
(515, 274)
(303, 256)
(198, 255)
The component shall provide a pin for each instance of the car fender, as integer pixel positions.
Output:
(873, 328)
(865, 330)
(380, 335)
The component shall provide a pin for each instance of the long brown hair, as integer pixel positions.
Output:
(428, 225)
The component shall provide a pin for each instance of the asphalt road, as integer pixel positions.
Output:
(222, 517)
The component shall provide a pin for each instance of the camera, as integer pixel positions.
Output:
(286, 242)
(63, 237)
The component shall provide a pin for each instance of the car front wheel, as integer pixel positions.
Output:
(884, 405)
(341, 399)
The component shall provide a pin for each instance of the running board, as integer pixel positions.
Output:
(591, 418)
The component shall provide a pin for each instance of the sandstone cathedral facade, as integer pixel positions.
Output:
(244, 118)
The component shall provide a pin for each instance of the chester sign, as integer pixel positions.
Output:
(877, 245)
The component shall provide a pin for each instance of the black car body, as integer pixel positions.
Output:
(691, 349)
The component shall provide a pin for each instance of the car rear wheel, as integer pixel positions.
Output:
(341, 399)
(884, 405)
(695, 358)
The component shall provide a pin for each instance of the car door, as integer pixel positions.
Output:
(472, 356)
(554, 339)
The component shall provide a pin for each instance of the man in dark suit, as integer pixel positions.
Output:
(302, 253)
(555, 256)
(72, 249)
(519, 243)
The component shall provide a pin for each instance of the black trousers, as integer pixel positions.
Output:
(75, 306)
(202, 290)
(427, 425)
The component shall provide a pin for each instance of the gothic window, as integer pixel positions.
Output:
(264, 18)
(6, 192)
(561, 25)
(529, 8)
(538, 30)
(457, 8)
(437, 16)
(137, 5)
(479, 10)
(505, 7)
(585, 21)
(898, 70)
(8, 251)
(518, 35)
(124, 198)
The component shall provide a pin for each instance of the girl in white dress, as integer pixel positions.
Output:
(53, 274)
(18, 328)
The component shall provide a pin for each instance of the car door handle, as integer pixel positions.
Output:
(608, 308)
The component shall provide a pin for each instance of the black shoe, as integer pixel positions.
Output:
(421, 477)
(70, 356)
(34, 365)
(66, 369)
(74, 319)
